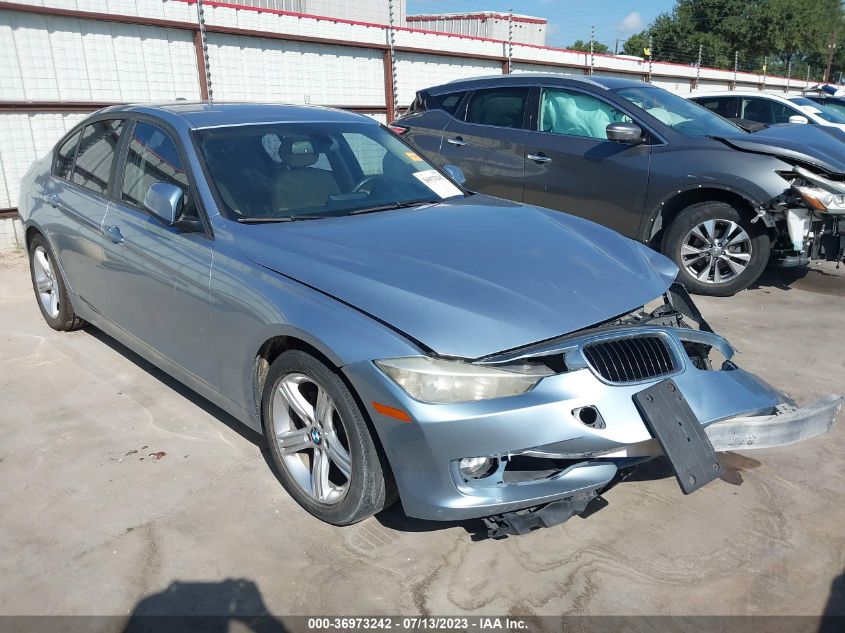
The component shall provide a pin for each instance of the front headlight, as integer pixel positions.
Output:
(442, 381)
(821, 200)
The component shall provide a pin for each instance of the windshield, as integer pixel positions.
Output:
(822, 111)
(838, 106)
(313, 170)
(685, 117)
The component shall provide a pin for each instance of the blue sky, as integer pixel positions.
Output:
(569, 20)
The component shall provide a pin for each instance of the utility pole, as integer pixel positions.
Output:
(650, 57)
(204, 45)
(391, 40)
(831, 48)
(698, 64)
(736, 68)
(510, 40)
(765, 70)
(616, 48)
(788, 72)
(592, 48)
(808, 73)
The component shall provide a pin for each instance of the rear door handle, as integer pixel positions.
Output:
(456, 140)
(113, 233)
(539, 158)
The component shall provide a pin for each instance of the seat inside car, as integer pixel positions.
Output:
(243, 175)
(298, 184)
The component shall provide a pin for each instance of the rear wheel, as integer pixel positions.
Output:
(320, 442)
(717, 250)
(50, 289)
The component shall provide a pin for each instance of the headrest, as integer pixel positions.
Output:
(298, 152)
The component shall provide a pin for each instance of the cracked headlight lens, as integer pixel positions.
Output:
(821, 200)
(443, 381)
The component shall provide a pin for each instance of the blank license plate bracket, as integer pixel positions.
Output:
(685, 444)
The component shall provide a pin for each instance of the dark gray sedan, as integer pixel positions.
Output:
(718, 201)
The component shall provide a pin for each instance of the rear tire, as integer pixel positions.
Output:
(320, 442)
(50, 288)
(717, 249)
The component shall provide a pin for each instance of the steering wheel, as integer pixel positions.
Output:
(367, 180)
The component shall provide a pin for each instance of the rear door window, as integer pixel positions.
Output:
(500, 107)
(95, 155)
(449, 102)
(577, 114)
(723, 106)
(63, 166)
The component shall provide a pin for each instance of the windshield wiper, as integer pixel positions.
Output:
(393, 205)
(282, 218)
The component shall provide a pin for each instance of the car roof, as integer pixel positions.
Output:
(740, 93)
(518, 78)
(205, 114)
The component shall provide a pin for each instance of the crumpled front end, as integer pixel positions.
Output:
(579, 429)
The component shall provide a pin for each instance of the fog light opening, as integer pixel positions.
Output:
(589, 416)
(477, 467)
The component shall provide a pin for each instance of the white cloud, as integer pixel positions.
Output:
(631, 22)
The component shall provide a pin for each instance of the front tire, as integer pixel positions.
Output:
(50, 288)
(718, 251)
(320, 442)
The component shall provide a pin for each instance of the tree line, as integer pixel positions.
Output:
(758, 35)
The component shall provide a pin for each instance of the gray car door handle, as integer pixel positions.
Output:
(113, 233)
(538, 158)
(456, 140)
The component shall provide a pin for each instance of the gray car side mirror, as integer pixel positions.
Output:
(624, 133)
(164, 201)
(456, 173)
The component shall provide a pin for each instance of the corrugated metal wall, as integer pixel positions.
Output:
(49, 59)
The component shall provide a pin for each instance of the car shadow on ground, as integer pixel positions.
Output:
(833, 617)
(206, 607)
(807, 278)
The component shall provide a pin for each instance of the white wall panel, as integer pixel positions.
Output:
(417, 71)
(244, 68)
(65, 59)
(23, 139)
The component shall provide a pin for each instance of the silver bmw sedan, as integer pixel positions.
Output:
(391, 334)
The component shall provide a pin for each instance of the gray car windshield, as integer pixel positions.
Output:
(299, 171)
(685, 117)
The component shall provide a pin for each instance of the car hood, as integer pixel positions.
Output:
(467, 278)
(820, 145)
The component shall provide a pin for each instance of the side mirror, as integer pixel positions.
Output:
(629, 133)
(797, 118)
(164, 201)
(456, 173)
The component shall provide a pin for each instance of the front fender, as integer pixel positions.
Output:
(681, 178)
(251, 305)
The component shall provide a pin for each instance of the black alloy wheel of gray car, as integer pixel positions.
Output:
(717, 249)
(320, 442)
(50, 289)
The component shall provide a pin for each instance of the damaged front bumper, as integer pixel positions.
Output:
(546, 453)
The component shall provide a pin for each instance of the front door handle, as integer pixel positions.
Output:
(113, 233)
(539, 158)
(456, 140)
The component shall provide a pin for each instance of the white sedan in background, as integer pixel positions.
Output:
(768, 108)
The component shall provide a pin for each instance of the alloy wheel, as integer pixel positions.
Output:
(46, 282)
(716, 251)
(311, 438)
